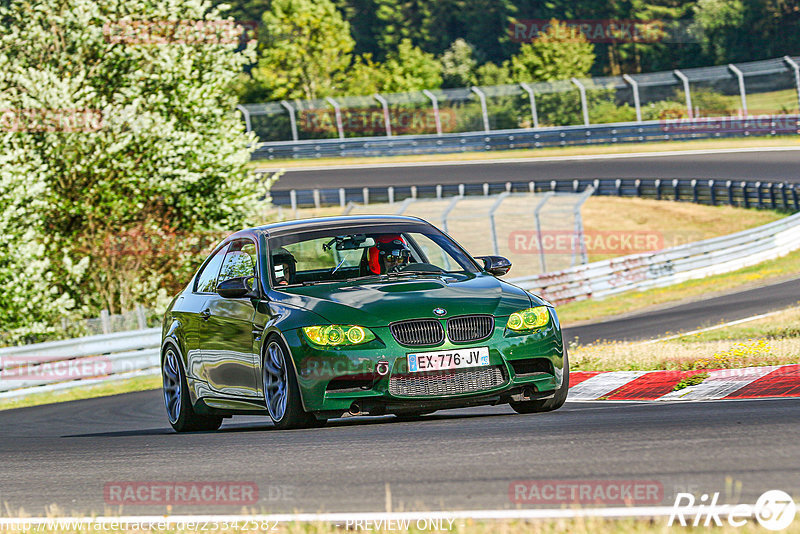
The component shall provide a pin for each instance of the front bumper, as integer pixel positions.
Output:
(333, 379)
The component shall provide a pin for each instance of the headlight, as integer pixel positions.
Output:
(528, 319)
(335, 335)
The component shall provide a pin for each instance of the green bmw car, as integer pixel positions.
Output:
(316, 319)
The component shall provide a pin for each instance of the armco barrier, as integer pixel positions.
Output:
(686, 262)
(747, 194)
(629, 132)
(74, 362)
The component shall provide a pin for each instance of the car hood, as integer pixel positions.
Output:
(382, 302)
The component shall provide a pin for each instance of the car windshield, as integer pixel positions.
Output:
(361, 253)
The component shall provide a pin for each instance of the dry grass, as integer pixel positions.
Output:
(773, 340)
(701, 144)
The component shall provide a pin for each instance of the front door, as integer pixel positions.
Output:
(229, 352)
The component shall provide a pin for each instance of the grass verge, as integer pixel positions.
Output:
(700, 144)
(773, 340)
(139, 383)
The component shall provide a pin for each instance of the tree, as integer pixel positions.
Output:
(119, 122)
(458, 65)
(411, 69)
(718, 18)
(559, 53)
(305, 48)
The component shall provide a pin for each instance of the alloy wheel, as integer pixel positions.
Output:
(275, 380)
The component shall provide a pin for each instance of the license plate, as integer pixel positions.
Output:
(448, 359)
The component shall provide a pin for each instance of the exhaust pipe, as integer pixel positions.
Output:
(355, 409)
(382, 368)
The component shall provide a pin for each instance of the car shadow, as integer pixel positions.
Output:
(343, 422)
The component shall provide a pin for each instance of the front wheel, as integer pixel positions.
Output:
(547, 405)
(281, 392)
(180, 413)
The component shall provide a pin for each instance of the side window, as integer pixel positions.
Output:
(207, 279)
(239, 261)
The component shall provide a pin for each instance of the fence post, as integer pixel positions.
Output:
(485, 189)
(553, 186)
(105, 321)
(342, 197)
(532, 98)
(784, 197)
(618, 187)
(772, 203)
(365, 194)
(509, 185)
(141, 319)
(439, 191)
(317, 202)
(745, 200)
(675, 185)
(658, 188)
(461, 190)
(729, 187)
(446, 212)
(338, 111)
(414, 192)
(292, 119)
(293, 200)
(531, 187)
(758, 193)
(794, 198)
(576, 213)
(493, 228)
(638, 185)
(386, 119)
(484, 111)
(246, 115)
(435, 104)
(796, 68)
(390, 192)
(694, 191)
(635, 88)
(742, 93)
(711, 192)
(682, 77)
(584, 105)
(536, 218)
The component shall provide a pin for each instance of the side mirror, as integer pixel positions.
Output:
(235, 288)
(496, 265)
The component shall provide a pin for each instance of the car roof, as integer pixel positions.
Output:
(321, 223)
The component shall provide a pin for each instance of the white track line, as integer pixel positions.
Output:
(710, 328)
(533, 159)
(528, 513)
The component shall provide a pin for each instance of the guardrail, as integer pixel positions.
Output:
(671, 266)
(56, 365)
(629, 132)
(747, 194)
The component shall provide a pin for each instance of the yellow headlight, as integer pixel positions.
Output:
(336, 335)
(529, 319)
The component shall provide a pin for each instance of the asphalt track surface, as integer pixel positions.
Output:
(65, 454)
(765, 165)
(691, 315)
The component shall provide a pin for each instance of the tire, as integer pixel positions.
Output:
(180, 413)
(281, 392)
(547, 405)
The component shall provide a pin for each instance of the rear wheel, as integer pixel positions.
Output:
(180, 413)
(547, 405)
(281, 392)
